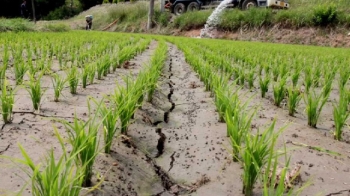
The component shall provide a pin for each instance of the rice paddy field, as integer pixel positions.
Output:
(97, 113)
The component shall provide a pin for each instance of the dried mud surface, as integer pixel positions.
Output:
(34, 131)
(196, 158)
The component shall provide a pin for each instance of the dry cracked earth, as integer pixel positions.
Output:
(182, 118)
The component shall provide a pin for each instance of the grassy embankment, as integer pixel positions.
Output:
(302, 13)
(132, 17)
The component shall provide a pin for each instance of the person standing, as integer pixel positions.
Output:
(24, 9)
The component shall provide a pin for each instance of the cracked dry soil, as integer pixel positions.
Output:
(175, 145)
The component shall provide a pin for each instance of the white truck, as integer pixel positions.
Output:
(181, 6)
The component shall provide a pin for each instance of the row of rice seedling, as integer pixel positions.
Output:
(256, 152)
(285, 75)
(129, 97)
(23, 65)
(73, 170)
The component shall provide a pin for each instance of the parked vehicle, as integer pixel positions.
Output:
(179, 7)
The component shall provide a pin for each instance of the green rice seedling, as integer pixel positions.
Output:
(255, 156)
(106, 65)
(125, 100)
(294, 97)
(344, 75)
(58, 83)
(307, 79)
(279, 92)
(275, 72)
(85, 74)
(223, 100)
(73, 58)
(283, 70)
(6, 56)
(251, 78)
(316, 76)
(20, 69)
(73, 79)
(48, 67)
(274, 178)
(32, 69)
(235, 73)
(65, 64)
(59, 177)
(264, 85)
(154, 72)
(238, 126)
(314, 104)
(267, 69)
(241, 76)
(7, 98)
(295, 76)
(270, 176)
(327, 88)
(206, 76)
(35, 91)
(41, 64)
(5, 63)
(2, 74)
(100, 69)
(60, 61)
(110, 118)
(261, 69)
(92, 73)
(329, 74)
(84, 141)
(151, 88)
(340, 115)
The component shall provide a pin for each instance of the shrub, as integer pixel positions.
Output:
(191, 20)
(15, 25)
(63, 12)
(257, 17)
(294, 18)
(324, 15)
(232, 20)
(162, 18)
(56, 27)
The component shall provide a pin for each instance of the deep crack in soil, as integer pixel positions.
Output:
(195, 154)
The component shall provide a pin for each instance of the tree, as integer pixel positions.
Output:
(86, 4)
(12, 8)
(150, 14)
(33, 8)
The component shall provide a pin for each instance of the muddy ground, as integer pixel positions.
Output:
(196, 158)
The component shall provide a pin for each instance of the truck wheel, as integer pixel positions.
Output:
(249, 4)
(179, 9)
(193, 6)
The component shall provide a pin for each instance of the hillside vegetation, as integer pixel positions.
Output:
(132, 17)
(321, 18)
